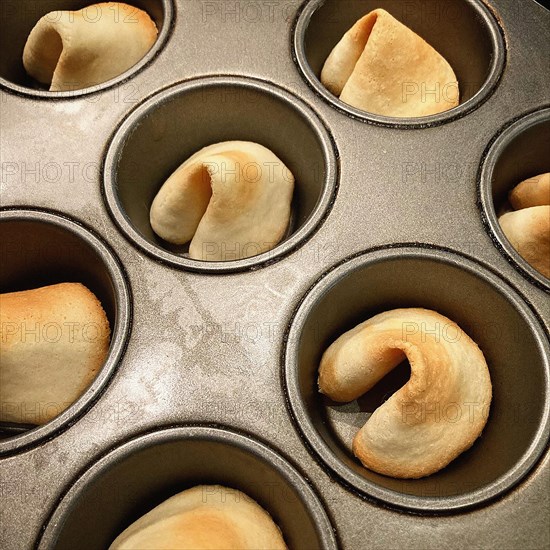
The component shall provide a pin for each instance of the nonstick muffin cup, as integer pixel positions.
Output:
(176, 123)
(464, 32)
(20, 16)
(518, 152)
(39, 248)
(488, 310)
(135, 477)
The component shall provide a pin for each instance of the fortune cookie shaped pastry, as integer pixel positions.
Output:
(71, 50)
(528, 231)
(436, 415)
(207, 517)
(528, 227)
(383, 67)
(54, 341)
(231, 200)
(532, 192)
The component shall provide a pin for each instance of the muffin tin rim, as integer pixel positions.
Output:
(486, 91)
(298, 239)
(220, 433)
(164, 35)
(315, 443)
(120, 332)
(504, 137)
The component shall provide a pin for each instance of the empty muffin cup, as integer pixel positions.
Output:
(176, 123)
(492, 313)
(464, 32)
(20, 16)
(518, 152)
(37, 249)
(135, 477)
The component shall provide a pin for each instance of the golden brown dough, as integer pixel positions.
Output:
(528, 231)
(71, 50)
(436, 415)
(207, 517)
(54, 341)
(532, 192)
(383, 67)
(231, 200)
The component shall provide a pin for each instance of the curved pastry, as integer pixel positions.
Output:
(528, 231)
(436, 415)
(206, 517)
(532, 192)
(383, 67)
(231, 200)
(71, 50)
(54, 341)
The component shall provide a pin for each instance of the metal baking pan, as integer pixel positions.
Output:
(211, 371)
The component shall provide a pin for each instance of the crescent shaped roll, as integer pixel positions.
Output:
(436, 415)
(528, 231)
(231, 200)
(54, 340)
(532, 192)
(71, 50)
(207, 517)
(383, 67)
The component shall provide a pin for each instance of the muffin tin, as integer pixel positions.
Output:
(182, 458)
(464, 33)
(211, 371)
(40, 249)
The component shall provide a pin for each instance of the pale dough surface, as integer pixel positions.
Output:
(54, 341)
(203, 518)
(71, 50)
(436, 415)
(232, 200)
(528, 231)
(383, 67)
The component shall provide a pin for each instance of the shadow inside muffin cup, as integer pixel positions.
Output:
(491, 313)
(464, 32)
(18, 17)
(38, 249)
(136, 477)
(518, 153)
(179, 121)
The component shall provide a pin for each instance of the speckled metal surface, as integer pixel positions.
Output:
(207, 348)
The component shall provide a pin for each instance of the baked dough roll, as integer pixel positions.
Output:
(532, 192)
(436, 415)
(54, 340)
(383, 67)
(71, 50)
(528, 231)
(207, 517)
(231, 200)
